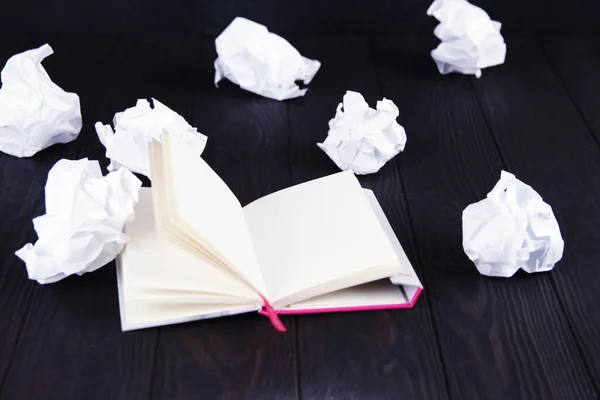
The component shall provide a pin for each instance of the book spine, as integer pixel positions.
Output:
(269, 312)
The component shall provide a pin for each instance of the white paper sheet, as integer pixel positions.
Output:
(512, 228)
(362, 139)
(470, 39)
(82, 229)
(128, 145)
(261, 62)
(35, 112)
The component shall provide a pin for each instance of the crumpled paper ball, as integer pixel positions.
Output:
(261, 62)
(470, 39)
(36, 113)
(127, 145)
(511, 229)
(82, 229)
(362, 139)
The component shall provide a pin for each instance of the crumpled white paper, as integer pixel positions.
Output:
(362, 139)
(512, 228)
(261, 62)
(470, 39)
(128, 145)
(34, 112)
(82, 229)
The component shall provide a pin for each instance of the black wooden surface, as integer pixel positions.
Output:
(288, 17)
(469, 337)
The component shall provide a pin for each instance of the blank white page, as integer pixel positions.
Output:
(207, 205)
(315, 233)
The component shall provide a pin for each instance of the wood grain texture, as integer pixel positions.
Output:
(299, 17)
(242, 356)
(547, 144)
(71, 345)
(469, 337)
(375, 355)
(20, 200)
(156, 66)
(576, 61)
(500, 338)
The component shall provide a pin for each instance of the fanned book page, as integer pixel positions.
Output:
(200, 211)
(161, 283)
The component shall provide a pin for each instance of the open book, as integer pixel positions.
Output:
(196, 253)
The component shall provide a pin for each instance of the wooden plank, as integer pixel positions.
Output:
(500, 338)
(384, 354)
(241, 356)
(22, 183)
(71, 343)
(546, 143)
(576, 61)
(300, 17)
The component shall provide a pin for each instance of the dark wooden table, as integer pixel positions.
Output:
(469, 337)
